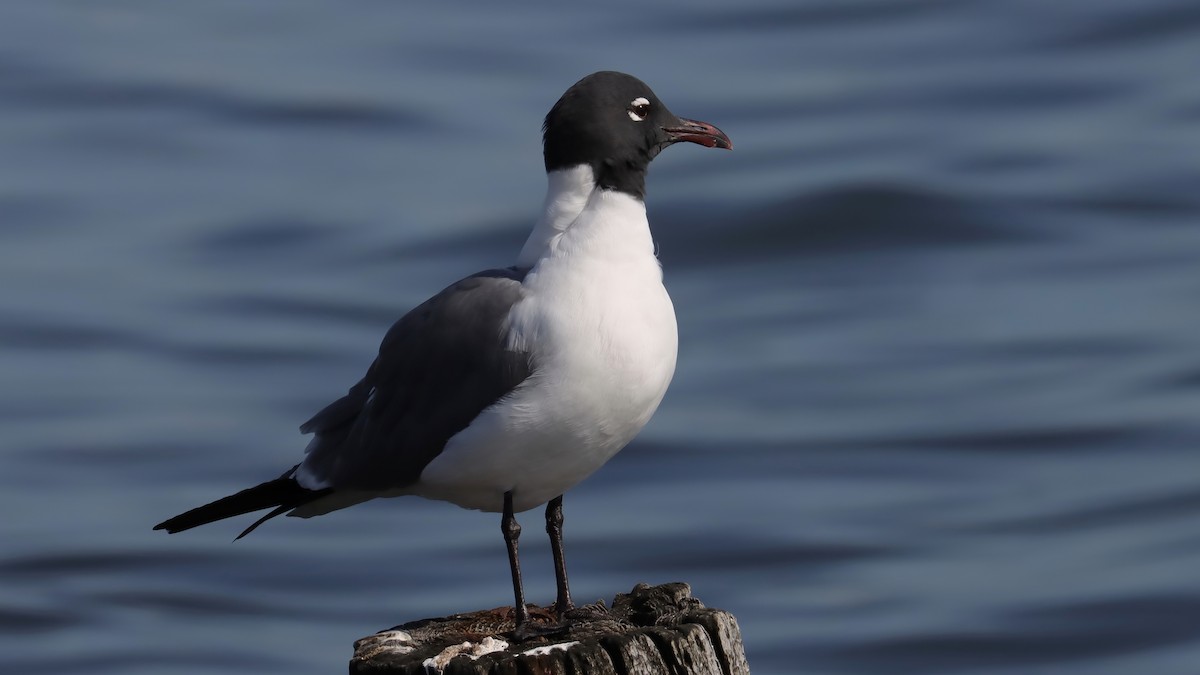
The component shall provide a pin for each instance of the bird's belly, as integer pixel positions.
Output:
(592, 391)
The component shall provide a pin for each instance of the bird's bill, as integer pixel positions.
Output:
(702, 133)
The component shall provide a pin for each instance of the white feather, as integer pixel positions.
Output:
(601, 329)
(566, 196)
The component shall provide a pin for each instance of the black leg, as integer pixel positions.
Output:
(512, 531)
(554, 521)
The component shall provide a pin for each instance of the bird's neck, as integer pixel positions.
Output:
(623, 176)
(567, 193)
(572, 192)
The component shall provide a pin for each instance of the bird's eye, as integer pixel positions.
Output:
(638, 109)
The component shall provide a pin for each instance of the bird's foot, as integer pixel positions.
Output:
(555, 621)
(540, 622)
(593, 612)
(530, 630)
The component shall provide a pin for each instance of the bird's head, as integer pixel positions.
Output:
(614, 123)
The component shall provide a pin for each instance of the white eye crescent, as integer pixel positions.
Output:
(638, 109)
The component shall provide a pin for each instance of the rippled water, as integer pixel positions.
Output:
(936, 406)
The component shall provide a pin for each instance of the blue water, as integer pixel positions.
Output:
(936, 408)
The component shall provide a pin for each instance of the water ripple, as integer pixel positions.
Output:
(848, 218)
(1053, 635)
(36, 87)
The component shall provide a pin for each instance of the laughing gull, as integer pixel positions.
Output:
(507, 388)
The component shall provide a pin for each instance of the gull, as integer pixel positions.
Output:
(510, 386)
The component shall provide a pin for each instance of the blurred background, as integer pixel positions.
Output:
(936, 403)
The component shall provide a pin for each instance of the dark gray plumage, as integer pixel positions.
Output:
(438, 367)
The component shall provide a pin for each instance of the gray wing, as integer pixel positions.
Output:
(438, 367)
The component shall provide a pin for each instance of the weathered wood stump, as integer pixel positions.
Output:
(651, 630)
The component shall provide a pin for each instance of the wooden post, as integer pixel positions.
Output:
(652, 630)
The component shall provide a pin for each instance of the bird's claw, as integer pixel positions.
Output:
(530, 630)
(593, 612)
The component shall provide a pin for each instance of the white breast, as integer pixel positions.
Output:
(601, 331)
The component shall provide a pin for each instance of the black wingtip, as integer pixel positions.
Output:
(276, 512)
(283, 493)
(173, 525)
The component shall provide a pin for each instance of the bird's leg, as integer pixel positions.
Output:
(512, 531)
(554, 521)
